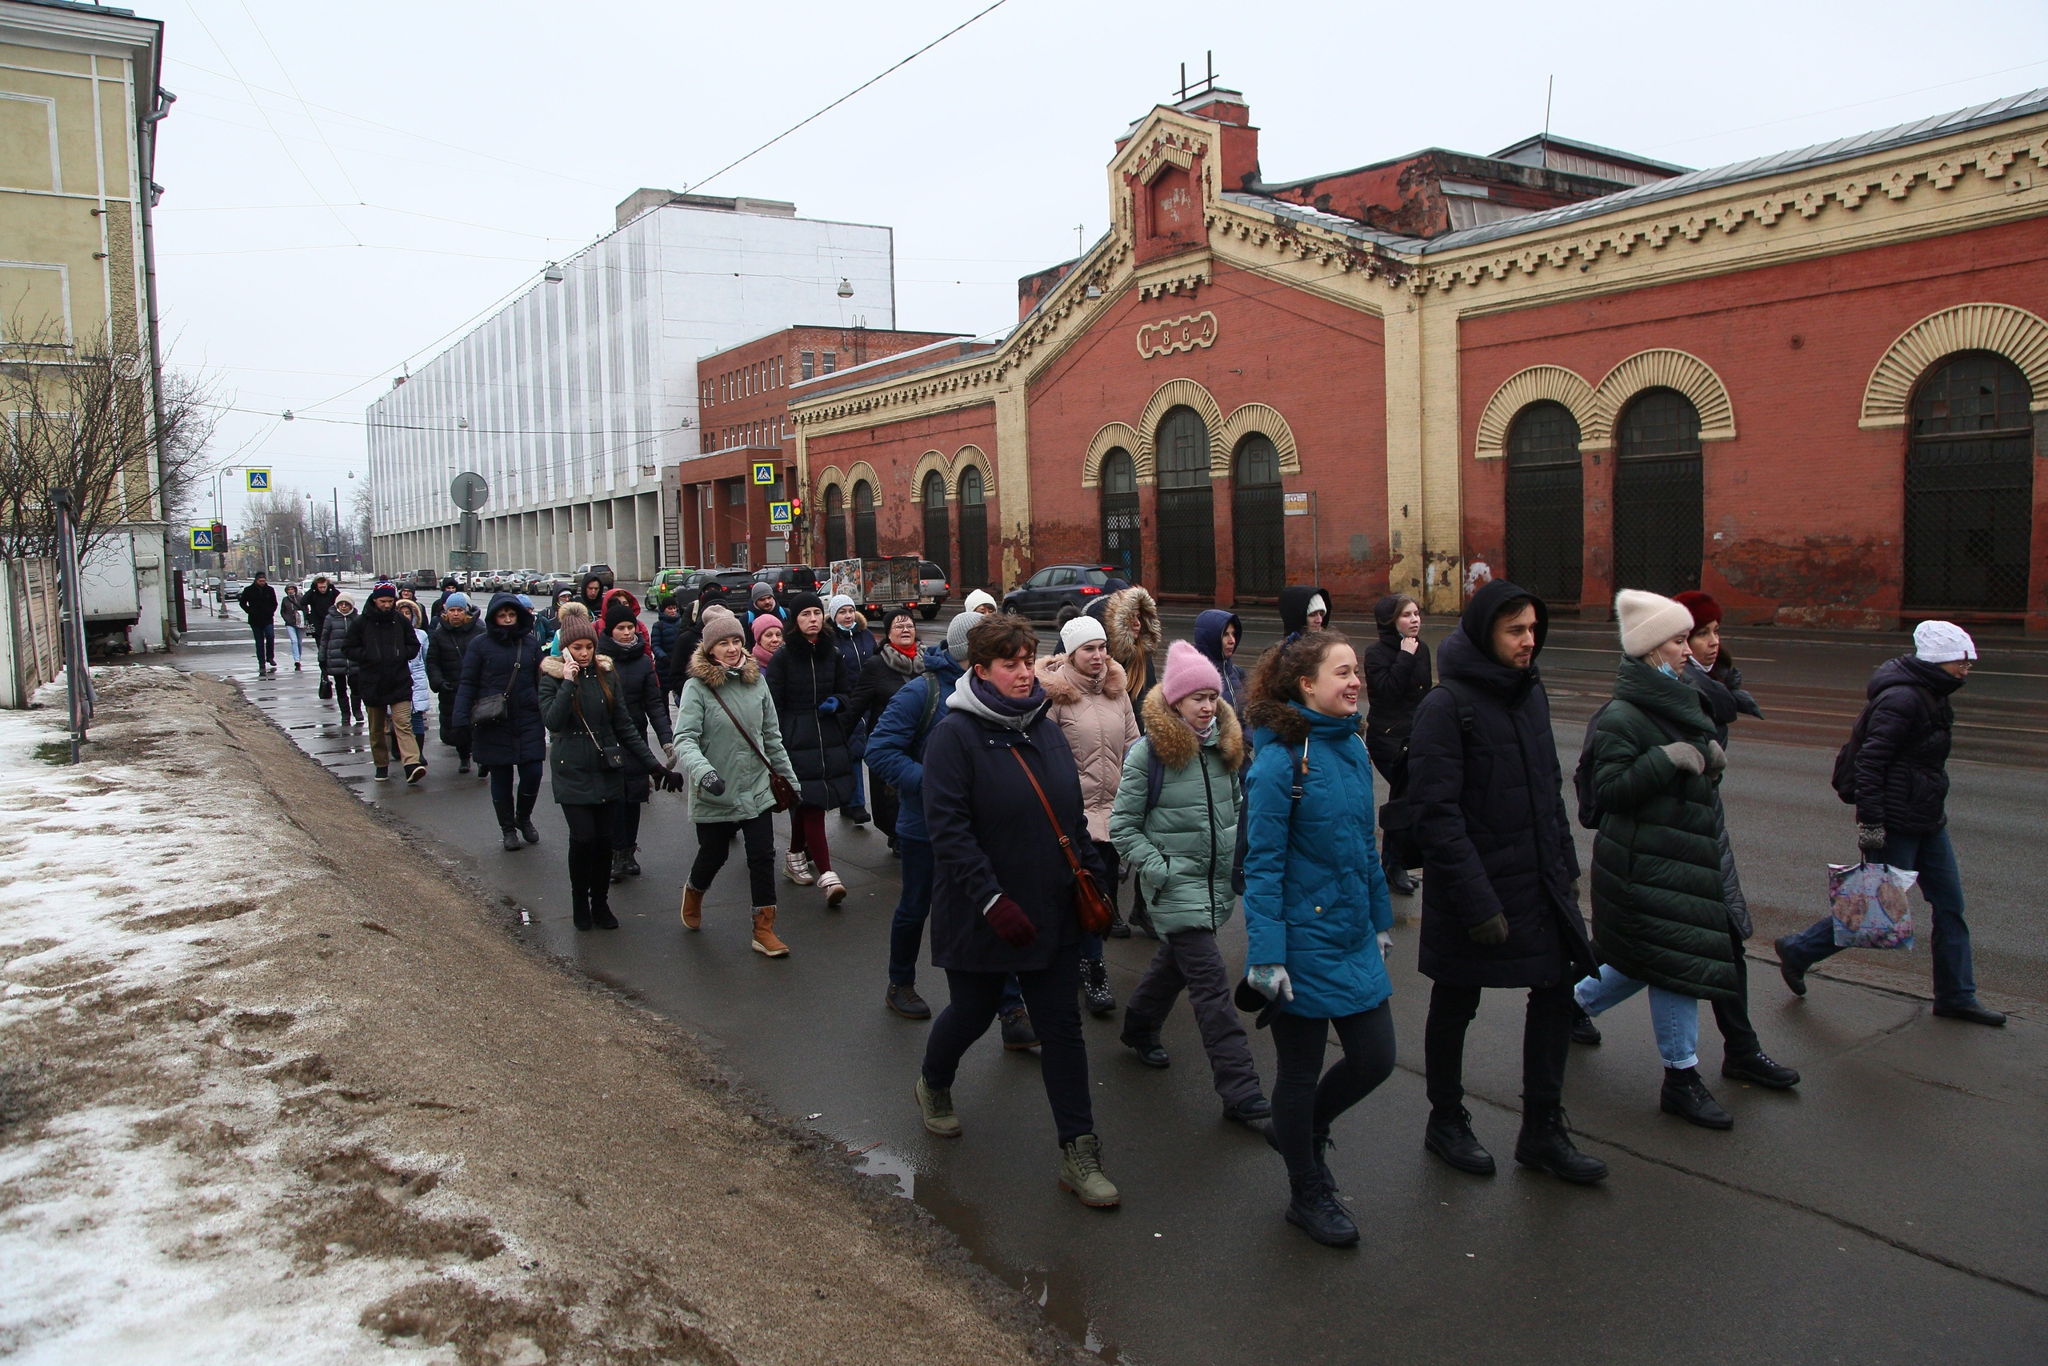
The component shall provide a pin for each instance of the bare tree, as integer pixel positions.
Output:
(83, 421)
(359, 506)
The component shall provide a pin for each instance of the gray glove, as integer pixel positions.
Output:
(1684, 757)
(1717, 758)
(1870, 838)
(1490, 931)
(712, 783)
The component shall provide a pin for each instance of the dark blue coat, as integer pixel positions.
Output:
(1209, 640)
(990, 835)
(487, 667)
(663, 636)
(856, 647)
(1902, 764)
(896, 744)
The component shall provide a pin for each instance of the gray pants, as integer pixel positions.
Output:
(1188, 960)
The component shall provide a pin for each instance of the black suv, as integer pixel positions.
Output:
(786, 579)
(1053, 589)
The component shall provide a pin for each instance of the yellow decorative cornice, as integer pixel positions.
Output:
(1661, 369)
(1537, 384)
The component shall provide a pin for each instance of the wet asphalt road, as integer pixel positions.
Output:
(1889, 1210)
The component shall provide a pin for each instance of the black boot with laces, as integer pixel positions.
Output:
(1316, 1211)
(1546, 1145)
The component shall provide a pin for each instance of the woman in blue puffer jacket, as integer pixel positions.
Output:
(1316, 910)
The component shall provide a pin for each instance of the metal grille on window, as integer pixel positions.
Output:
(1258, 526)
(835, 524)
(1659, 502)
(1122, 536)
(1545, 503)
(1970, 487)
(1187, 523)
(937, 543)
(973, 532)
(864, 520)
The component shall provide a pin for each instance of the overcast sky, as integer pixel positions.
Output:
(349, 186)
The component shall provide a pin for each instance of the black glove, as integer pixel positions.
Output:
(668, 780)
(712, 784)
(1494, 931)
(1870, 838)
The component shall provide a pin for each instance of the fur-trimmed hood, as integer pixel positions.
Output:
(1288, 723)
(1173, 740)
(711, 673)
(552, 665)
(1130, 618)
(1063, 687)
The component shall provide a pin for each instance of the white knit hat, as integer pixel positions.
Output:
(979, 598)
(1079, 632)
(839, 600)
(1648, 620)
(1942, 642)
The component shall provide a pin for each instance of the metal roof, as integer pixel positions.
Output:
(1777, 163)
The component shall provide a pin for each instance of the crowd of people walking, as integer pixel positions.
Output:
(1040, 801)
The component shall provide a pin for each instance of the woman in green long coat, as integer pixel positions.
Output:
(1660, 915)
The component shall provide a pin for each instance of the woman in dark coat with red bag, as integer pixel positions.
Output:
(1397, 674)
(1003, 899)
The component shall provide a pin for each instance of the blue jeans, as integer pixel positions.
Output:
(1933, 856)
(1675, 1018)
(298, 643)
(913, 908)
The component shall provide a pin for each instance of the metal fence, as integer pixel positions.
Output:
(31, 629)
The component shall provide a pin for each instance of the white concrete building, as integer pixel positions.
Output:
(573, 398)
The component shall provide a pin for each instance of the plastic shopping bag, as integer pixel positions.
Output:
(1868, 904)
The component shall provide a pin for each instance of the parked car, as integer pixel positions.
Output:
(1044, 595)
(786, 579)
(603, 572)
(534, 581)
(932, 589)
(665, 584)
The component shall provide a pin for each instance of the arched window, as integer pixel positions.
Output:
(1258, 525)
(864, 520)
(1659, 503)
(1122, 536)
(938, 546)
(835, 524)
(1970, 486)
(1187, 523)
(973, 532)
(1545, 503)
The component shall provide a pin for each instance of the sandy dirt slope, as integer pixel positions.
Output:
(276, 1085)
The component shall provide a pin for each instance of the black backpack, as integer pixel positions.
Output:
(1845, 758)
(1582, 776)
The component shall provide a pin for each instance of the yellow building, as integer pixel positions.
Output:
(79, 108)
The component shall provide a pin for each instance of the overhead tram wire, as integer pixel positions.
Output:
(285, 71)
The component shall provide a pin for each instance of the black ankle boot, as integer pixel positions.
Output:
(1546, 1144)
(1316, 1211)
(1450, 1137)
(618, 868)
(1686, 1096)
(1142, 1038)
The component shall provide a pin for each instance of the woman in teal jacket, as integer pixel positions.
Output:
(1174, 822)
(1316, 910)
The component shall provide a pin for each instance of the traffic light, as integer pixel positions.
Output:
(796, 511)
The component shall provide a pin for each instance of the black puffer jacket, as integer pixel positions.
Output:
(318, 602)
(1395, 681)
(1902, 764)
(646, 704)
(1488, 796)
(445, 644)
(380, 646)
(1660, 908)
(801, 676)
(505, 661)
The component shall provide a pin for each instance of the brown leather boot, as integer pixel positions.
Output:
(765, 941)
(693, 908)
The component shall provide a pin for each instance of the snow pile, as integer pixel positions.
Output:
(142, 1162)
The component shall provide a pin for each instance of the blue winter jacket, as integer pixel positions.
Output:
(1209, 640)
(1314, 898)
(895, 751)
(504, 659)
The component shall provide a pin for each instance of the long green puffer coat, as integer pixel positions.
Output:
(1659, 913)
(1181, 850)
(583, 718)
(708, 741)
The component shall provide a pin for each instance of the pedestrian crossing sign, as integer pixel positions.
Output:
(202, 538)
(764, 472)
(778, 514)
(259, 481)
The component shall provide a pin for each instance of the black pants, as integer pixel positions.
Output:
(1306, 1099)
(510, 815)
(590, 853)
(1051, 995)
(265, 633)
(349, 707)
(1546, 1038)
(1106, 851)
(626, 824)
(1737, 1033)
(454, 736)
(714, 843)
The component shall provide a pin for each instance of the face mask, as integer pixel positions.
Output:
(1667, 670)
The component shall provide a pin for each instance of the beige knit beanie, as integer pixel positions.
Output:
(1648, 620)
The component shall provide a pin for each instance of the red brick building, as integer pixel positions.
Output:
(716, 511)
(1811, 383)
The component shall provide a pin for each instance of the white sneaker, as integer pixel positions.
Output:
(833, 888)
(799, 869)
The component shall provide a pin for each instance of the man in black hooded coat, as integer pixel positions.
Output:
(1499, 901)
